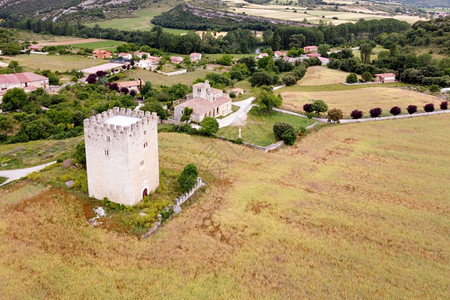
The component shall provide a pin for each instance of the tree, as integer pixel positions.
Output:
(133, 93)
(366, 51)
(188, 178)
(444, 105)
(14, 67)
(335, 115)
(249, 62)
(429, 107)
(395, 111)
(13, 99)
(323, 49)
(225, 60)
(209, 125)
(307, 108)
(155, 106)
(124, 90)
(367, 76)
(289, 79)
(261, 78)
(375, 112)
(280, 127)
(434, 88)
(6, 123)
(285, 132)
(289, 137)
(187, 112)
(239, 72)
(91, 79)
(80, 154)
(356, 114)
(319, 106)
(268, 100)
(351, 78)
(411, 109)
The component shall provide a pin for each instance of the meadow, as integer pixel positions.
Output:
(159, 79)
(363, 97)
(318, 75)
(60, 63)
(104, 44)
(352, 211)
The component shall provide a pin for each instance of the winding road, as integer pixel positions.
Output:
(19, 173)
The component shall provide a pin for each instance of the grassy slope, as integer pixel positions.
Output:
(351, 211)
(107, 44)
(159, 79)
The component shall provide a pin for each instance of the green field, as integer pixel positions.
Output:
(3, 179)
(351, 211)
(139, 20)
(160, 79)
(258, 127)
(106, 45)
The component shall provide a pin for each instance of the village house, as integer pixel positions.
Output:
(27, 81)
(176, 59)
(101, 54)
(133, 85)
(261, 55)
(279, 54)
(195, 57)
(125, 55)
(35, 47)
(292, 60)
(385, 77)
(309, 49)
(236, 91)
(205, 101)
(141, 54)
(151, 63)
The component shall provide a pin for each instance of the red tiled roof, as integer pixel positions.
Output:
(385, 75)
(21, 78)
(201, 106)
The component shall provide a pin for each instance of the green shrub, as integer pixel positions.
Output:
(352, 78)
(289, 137)
(188, 178)
(280, 127)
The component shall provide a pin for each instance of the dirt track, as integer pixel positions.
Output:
(70, 42)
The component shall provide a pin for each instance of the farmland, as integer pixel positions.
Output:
(318, 75)
(160, 79)
(60, 63)
(350, 211)
(103, 44)
(361, 98)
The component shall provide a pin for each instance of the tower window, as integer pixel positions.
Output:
(108, 138)
(142, 163)
(145, 144)
(106, 152)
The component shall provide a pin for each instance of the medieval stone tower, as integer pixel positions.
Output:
(122, 155)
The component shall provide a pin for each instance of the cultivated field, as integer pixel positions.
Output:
(375, 95)
(60, 63)
(319, 75)
(352, 211)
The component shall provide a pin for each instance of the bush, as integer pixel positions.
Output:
(352, 78)
(289, 79)
(210, 126)
(411, 109)
(434, 88)
(319, 106)
(80, 154)
(188, 178)
(289, 137)
(375, 112)
(444, 105)
(280, 127)
(285, 132)
(367, 76)
(429, 107)
(395, 111)
(335, 114)
(356, 114)
(307, 108)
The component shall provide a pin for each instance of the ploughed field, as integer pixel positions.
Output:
(351, 211)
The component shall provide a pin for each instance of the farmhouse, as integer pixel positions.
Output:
(27, 81)
(100, 54)
(176, 59)
(134, 85)
(205, 102)
(261, 55)
(35, 47)
(195, 57)
(309, 49)
(385, 77)
(125, 55)
(279, 54)
(122, 155)
(149, 64)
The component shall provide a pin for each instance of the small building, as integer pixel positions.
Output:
(125, 55)
(195, 57)
(133, 85)
(101, 54)
(293, 60)
(35, 47)
(309, 49)
(279, 54)
(385, 77)
(445, 90)
(261, 55)
(141, 54)
(150, 63)
(22, 80)
(205, 101)
(176, 59)
(236, 91)
(312, 54)
(122, 155)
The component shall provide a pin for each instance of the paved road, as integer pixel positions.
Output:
(19, 173)
(244, 108)
(346, 121)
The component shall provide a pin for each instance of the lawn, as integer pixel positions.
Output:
(3, 179)
(60, 63)
(374, 55)
(258, 127)
(319, 75)
(139, 20)
(159, 79)
(106, 45)
(352, 211)
(375, 95)
(24, 155)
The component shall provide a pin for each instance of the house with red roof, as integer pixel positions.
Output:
(101, 54)
(176, 59)
(205, 101)
(28, 81)
(35, 47)
(279, 54)
(309, 49)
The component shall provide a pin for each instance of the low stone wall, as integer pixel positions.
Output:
(271, 147)
(177, 208)
(173, 73)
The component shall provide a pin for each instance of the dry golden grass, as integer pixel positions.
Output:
(319, 75)
(362, 99)
(353, 211)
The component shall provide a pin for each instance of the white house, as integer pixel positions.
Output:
(148, 64)
(195, 57)
(125, 55)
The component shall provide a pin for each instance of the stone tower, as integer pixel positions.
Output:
(122, 155)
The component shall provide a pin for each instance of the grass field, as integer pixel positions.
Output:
(319, 75)
(258, 127)
(353, 211)
(24, 155)
(106, 45)
(364, 99)
(374, 54)
(3, 179)
(139, 20)
(60, 63)
(159, 79)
